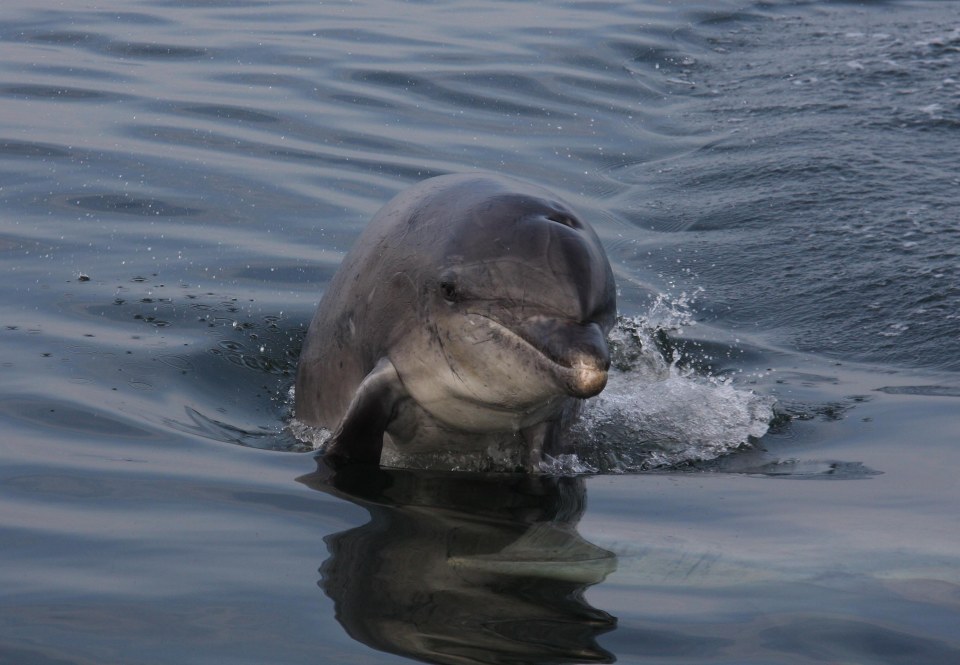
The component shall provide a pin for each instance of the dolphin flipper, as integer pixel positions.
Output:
(359, 438)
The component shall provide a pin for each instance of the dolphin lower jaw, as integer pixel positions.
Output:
(574, 354)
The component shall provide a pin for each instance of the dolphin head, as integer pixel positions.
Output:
(517, 304)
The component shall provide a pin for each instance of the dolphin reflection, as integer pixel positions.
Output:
(459, 567)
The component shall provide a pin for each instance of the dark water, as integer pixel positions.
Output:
(776, 185)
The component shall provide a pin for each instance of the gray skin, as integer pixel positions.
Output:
(472, 311)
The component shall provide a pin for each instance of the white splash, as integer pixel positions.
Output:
(654, 413)
(642, 421)
(315, 437)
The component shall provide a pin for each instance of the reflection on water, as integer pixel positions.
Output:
(466, 568)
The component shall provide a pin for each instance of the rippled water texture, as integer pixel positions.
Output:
(770, 477)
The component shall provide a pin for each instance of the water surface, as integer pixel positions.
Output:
(776, 185)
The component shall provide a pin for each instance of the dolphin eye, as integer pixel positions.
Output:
(448, 289)
(563, 218)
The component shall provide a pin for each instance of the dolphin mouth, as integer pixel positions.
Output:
(577, 353)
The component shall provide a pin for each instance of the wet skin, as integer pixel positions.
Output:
(472, 311)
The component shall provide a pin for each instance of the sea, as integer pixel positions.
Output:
(772, 476)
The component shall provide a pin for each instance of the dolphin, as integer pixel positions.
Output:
(471, 312)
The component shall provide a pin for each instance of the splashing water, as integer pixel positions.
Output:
(652, 414)
(315, 437)
(655, 414)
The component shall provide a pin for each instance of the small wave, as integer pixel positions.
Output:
(927, 391)
(315, 437)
